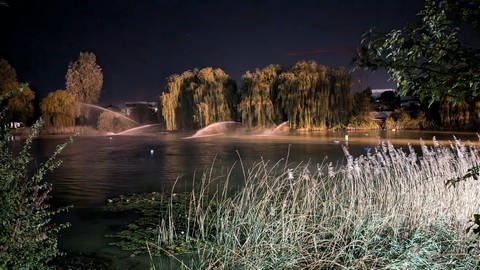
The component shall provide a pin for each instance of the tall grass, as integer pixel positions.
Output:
(387, 210)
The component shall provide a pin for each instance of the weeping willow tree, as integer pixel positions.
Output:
(256, 105)
(303, 95)
(59, 109)
(341, 99)
(308, 95)
(198, 98)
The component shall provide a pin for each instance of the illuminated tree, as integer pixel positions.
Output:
(256, 106)
(169, 100)
(340, 97)
(59, 109)
(314, 97)
(20, 103)
(197, 98)
(84, 78)
(308, 95)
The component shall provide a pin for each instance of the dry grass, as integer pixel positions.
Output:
(387, 210)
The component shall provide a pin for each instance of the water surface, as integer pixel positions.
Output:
(97, 168)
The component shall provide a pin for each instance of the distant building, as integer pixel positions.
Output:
(129, 106)
(376, 93)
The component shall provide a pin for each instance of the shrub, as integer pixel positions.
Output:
(400, 119)
(362, 121)
(28, 237)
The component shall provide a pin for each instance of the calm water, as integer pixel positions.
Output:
(97, 168)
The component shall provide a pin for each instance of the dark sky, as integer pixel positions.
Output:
(139, 43)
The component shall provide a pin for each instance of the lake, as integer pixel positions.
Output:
(97, 168)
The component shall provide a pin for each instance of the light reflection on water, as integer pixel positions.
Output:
(96, 168)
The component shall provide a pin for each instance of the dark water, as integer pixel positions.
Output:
(97, 168)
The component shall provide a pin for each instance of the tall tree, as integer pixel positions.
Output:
(308, 95)
(314, 96)
(60, 109)
(8, 75)
(256, 106)
(84, 78)
(20, 101)
(198, 98)
(429, 60)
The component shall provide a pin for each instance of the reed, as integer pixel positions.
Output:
(387, 210)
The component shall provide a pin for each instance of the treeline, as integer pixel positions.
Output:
(60, 108)
(308, 95)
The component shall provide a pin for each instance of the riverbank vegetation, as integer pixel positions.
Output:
(387, 210)
(28, 236)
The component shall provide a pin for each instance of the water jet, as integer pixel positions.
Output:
(215, 129)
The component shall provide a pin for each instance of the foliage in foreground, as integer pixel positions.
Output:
(28, 237)
(387, 210)
(429, 60)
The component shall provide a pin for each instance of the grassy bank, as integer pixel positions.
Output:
(387, 210)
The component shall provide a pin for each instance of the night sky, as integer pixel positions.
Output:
(139, 43)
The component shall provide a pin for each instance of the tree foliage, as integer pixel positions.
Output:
(429, 60)
(388, 101)
(59, 109)
(84, 78)
(20, 103)
(8, 75)
(308, 95)
(28, 236)
(362, 102)
(256, 105)
(197, 98)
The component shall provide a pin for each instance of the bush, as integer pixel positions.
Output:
(362, 121)
(28, 237)
(400, 119)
